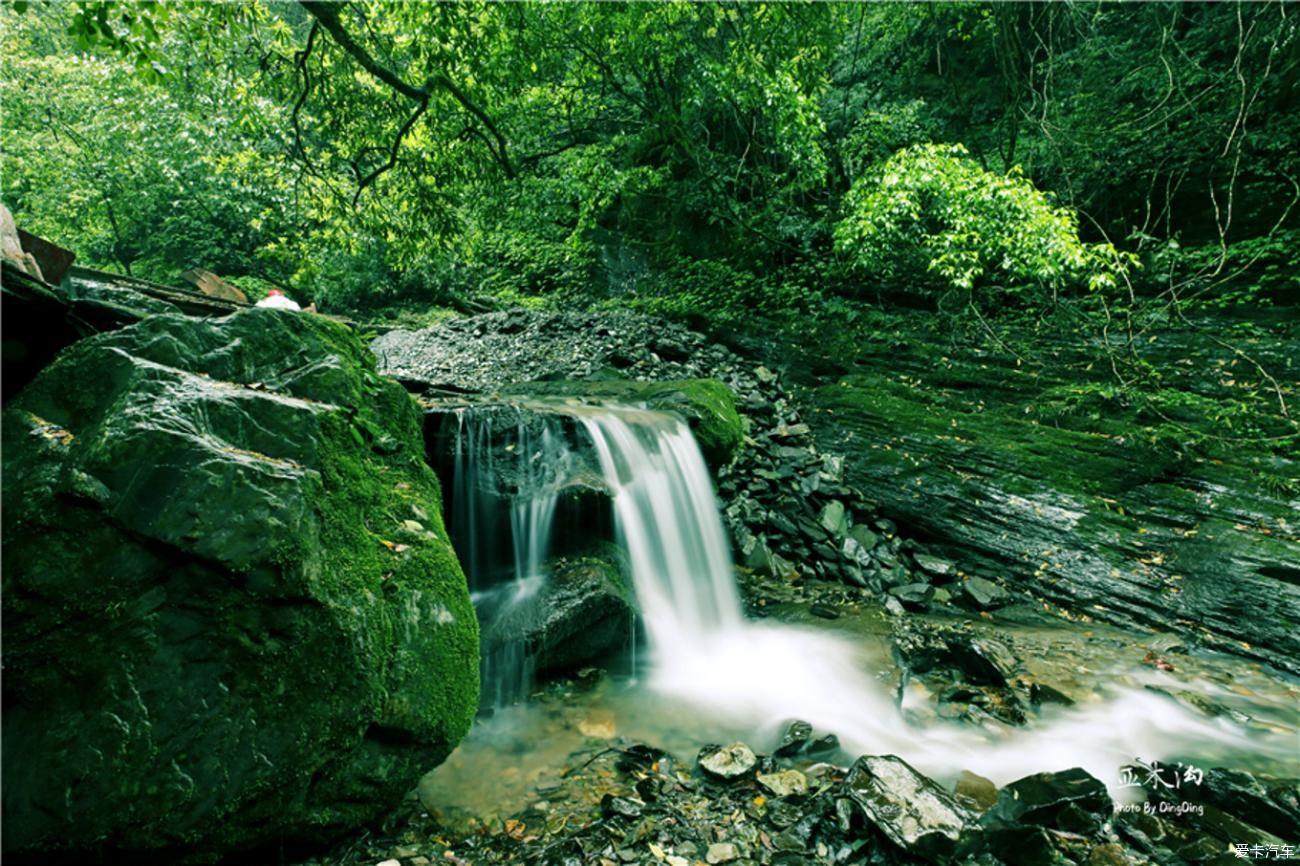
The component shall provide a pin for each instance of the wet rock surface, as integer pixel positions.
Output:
(1109, 524)
(627, 802)
(225, 534)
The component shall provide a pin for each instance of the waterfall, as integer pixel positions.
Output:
(505, 580)
(703, 652)
(667, 521)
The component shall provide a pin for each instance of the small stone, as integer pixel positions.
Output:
(894, 607)
(727, 763)
(855, 552)
(983, 661)
(413, 526)
(934, 565)
(983, 594)
(764, 375)
(823, 746)
(722, 852)
(864, 536)
(824, 611)
(796, 735)
(914, 596)
(784, 783)
(975, 792)
(389, 863)
(1041, 693)
(834, 519)
(622, 807)
(675, 860)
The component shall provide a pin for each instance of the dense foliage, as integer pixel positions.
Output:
(1125, 163)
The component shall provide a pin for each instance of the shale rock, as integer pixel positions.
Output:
(1051, 800)
(981, 594)
(911, 810)
(225, 534)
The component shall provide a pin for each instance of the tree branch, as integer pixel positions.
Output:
(327, 15)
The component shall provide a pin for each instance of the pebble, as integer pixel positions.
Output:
(784, 783)
(728, 762)
(722, 852)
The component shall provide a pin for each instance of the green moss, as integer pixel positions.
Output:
(226, 534)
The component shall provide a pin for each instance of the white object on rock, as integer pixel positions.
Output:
(276, 300)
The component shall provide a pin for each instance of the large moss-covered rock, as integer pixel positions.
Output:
(232, 615)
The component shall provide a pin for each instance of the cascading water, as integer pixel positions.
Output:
(704, 653)
(505, 580)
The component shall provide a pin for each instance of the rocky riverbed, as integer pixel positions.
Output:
(597, 769)
(1010, 622)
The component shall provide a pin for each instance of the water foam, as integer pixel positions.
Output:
(702, 650)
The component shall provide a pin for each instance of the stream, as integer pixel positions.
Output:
(704, 673)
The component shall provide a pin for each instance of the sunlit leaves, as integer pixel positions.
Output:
(931, 213)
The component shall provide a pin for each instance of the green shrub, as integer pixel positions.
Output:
(931, 215)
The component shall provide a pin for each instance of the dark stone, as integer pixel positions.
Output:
(910, 810)
(981, 594)
(825, 551)
(913, 596)
(934, 565)
(1022, 846)
(1271, 804)
(231, 613)
(825, 611)
(811, 529)
(783, 524)
(1045, 799)
(823, 746)
(583, 613)
(621, 807)
(1041, 693)
(983, 661)
(795, 737)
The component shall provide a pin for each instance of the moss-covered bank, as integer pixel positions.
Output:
(232, 614)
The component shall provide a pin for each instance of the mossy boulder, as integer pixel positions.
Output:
(708, 405)
(232, 615)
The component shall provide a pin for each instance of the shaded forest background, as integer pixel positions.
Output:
(1022, 176)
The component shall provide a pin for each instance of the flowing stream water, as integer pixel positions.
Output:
(705, 661)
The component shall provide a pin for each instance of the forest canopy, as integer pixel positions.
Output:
(366, 154)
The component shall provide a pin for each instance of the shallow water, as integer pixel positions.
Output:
(500, 767)
(706, 674)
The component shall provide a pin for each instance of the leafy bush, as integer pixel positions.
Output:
(931, 215)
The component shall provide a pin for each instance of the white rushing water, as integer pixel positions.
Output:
(702, 650)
